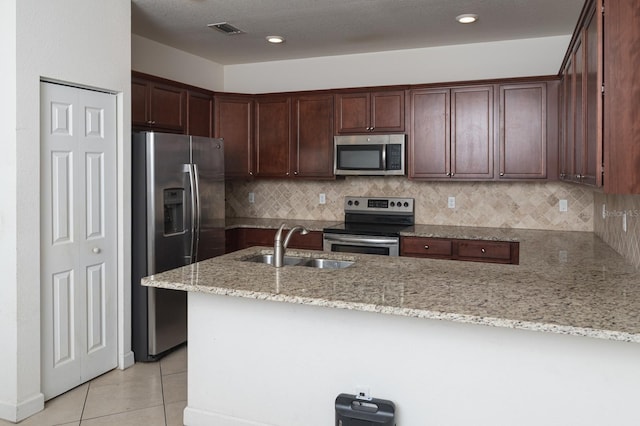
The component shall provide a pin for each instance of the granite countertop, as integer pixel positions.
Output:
(566, 282)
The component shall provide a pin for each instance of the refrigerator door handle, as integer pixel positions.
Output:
(188, 168)
(196, 192)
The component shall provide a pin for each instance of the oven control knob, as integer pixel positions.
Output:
(406, 204)
(349, 202)
(393, 204)
(357, 203)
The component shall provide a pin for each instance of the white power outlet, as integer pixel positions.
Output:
(451, 202)
(604, 211)
(362, 392)
(564, 206)
(322, 199)
(624, 221)
(252, 198)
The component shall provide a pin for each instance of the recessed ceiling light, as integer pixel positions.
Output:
(467, 18)
(275, 39)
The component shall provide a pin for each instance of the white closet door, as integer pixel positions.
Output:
(78, 236)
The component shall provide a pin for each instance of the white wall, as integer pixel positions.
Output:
(256, 362)
(8, 254)
(84, 42)
(153, 58)
(512, 58)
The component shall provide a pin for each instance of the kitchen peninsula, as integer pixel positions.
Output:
(451, 343)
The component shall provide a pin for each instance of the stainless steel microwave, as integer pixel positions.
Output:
(368, 155)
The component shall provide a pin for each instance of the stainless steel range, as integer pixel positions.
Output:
(372, 225)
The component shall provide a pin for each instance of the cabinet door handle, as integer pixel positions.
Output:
(448, 174)
(501, 173)
(483, 250)
(295, 173)
(250, 172)
(426, 247)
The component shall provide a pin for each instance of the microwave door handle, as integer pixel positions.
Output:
(384, 157)
(363, 240)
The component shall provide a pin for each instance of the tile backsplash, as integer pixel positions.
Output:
(501, 204)
(609, 227)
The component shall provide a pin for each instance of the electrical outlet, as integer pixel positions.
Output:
(451, 202)
(624, 221)
(362, 392)
(252, 198)
(604, 211)
(322, 199)
(564, 206)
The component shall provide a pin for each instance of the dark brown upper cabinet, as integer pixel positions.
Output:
(367, 112)
(523, 131)
(312, 147)
(233, 121)
(158, 106)
(199, 113)
(451, 134)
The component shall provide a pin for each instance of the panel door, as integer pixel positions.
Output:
(523, 131)
(353, 113)
(78, 238)
(578, 108)
(234, 123)
(591, 164)
(387, 111)
(273, 136)
(472, 132)
(312, 155)
(429, 137)
(200, 114)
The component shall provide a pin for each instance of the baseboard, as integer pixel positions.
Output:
(126, 360)
(195, 417)
(15, 413)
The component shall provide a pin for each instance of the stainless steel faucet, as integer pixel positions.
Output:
(280, 246)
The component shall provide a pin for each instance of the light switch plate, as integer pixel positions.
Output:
(322, 199)
(563, 205)
(252, 197)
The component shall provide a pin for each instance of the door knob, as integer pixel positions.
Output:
(96, 250)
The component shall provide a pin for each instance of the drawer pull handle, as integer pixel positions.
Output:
(483, 250)
(426, 247)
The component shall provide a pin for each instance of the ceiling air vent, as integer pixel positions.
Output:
(225, 27)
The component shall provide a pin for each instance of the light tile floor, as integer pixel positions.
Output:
(149, 394)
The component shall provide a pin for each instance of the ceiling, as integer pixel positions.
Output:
(315, 28)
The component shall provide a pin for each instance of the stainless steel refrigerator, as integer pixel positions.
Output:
(178, 219)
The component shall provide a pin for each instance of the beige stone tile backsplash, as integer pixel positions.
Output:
(500, 204)
(609, 227)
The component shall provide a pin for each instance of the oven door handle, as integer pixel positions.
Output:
(361, 240)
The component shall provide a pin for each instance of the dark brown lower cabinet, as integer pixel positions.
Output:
(457, 249)
(241, 238)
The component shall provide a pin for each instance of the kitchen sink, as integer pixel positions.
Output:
(268, 259)
(302, 261)
(328, 263)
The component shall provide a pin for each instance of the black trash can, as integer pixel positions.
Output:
(351, 411)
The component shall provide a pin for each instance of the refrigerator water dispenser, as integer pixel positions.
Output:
(173, 211)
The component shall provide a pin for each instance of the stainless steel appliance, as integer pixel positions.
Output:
(369, 155)
(372, 225)
(178, 218)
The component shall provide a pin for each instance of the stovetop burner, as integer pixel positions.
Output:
(375, 216)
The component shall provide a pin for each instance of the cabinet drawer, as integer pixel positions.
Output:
(425, 247)
(496, 251)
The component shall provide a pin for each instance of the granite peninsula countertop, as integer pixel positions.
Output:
(566, 282)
